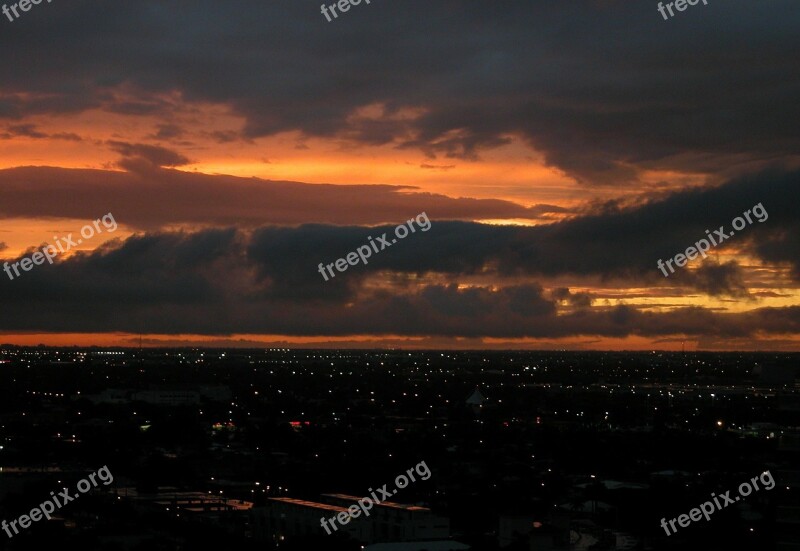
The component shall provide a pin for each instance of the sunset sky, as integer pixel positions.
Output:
(560, 150)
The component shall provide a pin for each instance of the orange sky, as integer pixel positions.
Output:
(237, 156)
(514, 172)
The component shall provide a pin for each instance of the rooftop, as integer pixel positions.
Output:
(381, 504)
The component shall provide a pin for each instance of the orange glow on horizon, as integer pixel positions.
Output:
(675, 343)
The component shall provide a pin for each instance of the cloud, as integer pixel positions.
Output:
(137, 156)
(675, 95)
(26, 130)
(225, 200)
(578, 300)
(717, 279)
(208, 282)
(30, 131)
(265, 280)
(168, 132)
(621, 243)
(614, 242)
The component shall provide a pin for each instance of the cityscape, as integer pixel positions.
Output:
(250, 449)
(418, 275)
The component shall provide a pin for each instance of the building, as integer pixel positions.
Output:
(285, 517)
(386, 522)
(397, 522)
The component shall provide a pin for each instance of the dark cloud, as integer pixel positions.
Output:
(25, 130)
(30, 131)
(622, 243)
(137, 155)
(614, 243)
(168, 132)
(199, 199)
(223, 281)
(717, 84)
(208, 283)
(578, 300)
(716, 279)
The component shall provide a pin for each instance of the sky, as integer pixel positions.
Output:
(561, 152)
